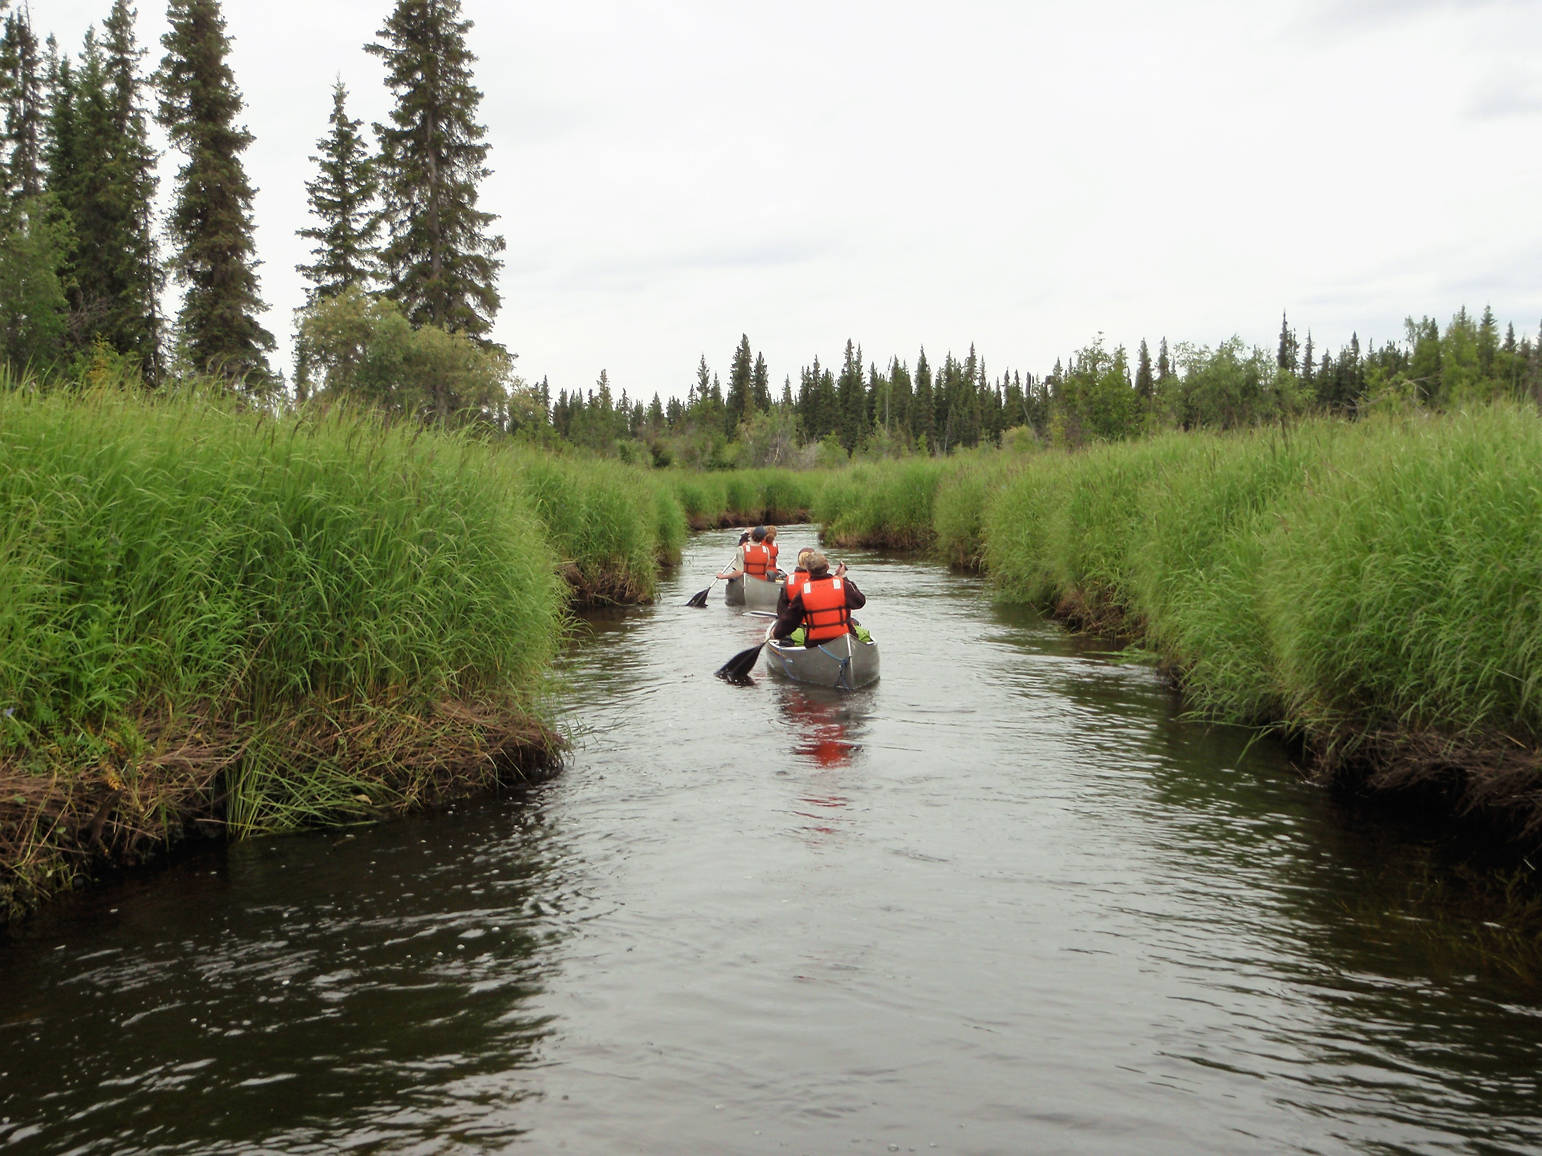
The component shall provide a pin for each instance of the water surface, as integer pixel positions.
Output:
(1003, 901)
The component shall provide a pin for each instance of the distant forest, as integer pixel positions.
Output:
(402, 286)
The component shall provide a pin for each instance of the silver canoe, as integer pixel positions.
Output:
(842, 663)
(752, 593)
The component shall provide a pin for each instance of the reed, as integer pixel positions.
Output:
(964, 491)
(604, 520)
(702, 497)
(1021, 534)
(1403, 588)
(1371, 588)
(186, 580)
(1199, 561)
(883, 504)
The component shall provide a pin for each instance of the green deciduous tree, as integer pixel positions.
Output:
(362, 347)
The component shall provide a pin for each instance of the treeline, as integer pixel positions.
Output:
(1097, 395)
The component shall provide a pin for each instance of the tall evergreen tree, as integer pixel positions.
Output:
(923, 419)
(741, 373)
(851, 399)
(1145, 383)
(79, 177)
(342, 199)
(211, 217)
(134, 267)
(440, 259)
(1288, 354)
(1488, 348)
(21, 90)
(101, 174)
(760, 385)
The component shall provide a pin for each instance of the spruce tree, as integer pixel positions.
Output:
(760, 385)
(1145, 383)
(134, 268)
(211, 217)
(342, 199)
(923, 419)
(21, 90)
(440, 259)
(101, 174)
(1287, 355)
(737, 403)
(34, 232)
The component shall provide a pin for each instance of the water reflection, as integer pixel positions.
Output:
(821, 724)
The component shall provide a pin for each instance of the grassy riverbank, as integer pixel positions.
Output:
(220, 621)
(1373, 589)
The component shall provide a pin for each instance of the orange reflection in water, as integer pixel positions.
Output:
(816, 728)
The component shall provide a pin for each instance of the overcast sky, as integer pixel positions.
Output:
(1016, 174)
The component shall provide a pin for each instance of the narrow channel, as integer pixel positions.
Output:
(1005, 900)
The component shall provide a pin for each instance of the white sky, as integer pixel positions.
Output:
(1017, 174)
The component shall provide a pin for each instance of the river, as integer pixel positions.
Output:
(1006, 900)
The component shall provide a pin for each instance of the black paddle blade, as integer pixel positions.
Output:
(737, 668)
(698, 599)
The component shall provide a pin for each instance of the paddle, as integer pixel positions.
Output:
(699, 599)
(737, 668)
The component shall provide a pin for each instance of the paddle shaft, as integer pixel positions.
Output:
(700, 597)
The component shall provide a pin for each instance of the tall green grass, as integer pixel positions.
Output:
(1404, 586)
(965, 490)
(1200, 564)
(1375, 580)
(743, 497)
(883, 504)
(611, 524)
(187, 583)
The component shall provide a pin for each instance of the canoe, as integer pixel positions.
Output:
(752, 593)
(843, 663)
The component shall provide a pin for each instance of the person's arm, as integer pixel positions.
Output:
(855, 599)
(738, 565)
(789, 619)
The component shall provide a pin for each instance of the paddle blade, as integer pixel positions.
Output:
(698, 599)
(738, 668)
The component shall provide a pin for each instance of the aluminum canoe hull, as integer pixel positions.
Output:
(844, 663)
(752, 593)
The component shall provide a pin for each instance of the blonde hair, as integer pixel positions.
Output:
(804, 555)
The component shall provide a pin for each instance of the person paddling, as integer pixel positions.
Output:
(799, 576)
(753, 558)
(821, 603)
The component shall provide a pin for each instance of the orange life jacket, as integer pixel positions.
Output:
(757, 559)
(774, 550)
(824, 609)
